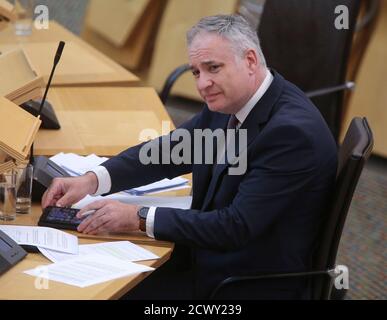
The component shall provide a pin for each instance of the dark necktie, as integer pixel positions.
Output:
(232, 122)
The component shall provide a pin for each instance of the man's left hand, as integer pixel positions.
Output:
(109, 216)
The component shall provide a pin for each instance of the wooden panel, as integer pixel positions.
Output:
(76, 65)
(170, 49)
(18, 130)
(370, 96)
(136, 51)
(115, 19)
(111, 72)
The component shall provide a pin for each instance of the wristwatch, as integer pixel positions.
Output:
(142, 214)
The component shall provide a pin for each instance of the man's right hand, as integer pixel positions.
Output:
(65, 192)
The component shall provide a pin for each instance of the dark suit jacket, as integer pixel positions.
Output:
(263, 221)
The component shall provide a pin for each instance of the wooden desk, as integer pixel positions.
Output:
(104, 121)
(14, 284)
(80, 64)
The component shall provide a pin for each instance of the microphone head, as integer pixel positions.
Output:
(58, 53)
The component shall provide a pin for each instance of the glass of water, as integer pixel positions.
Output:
(24, 10)
(8, 196)
(24, 175)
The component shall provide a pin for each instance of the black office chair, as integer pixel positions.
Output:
(353, 153)
(300, 41)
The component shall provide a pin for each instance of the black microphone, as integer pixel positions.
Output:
(45, 170)
(58, 54)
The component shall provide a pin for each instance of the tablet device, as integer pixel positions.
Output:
(60, 218)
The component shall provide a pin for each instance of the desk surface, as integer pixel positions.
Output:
(80, 64)
(14, 284)
(104, 121)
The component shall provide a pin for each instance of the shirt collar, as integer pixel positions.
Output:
(242, 114)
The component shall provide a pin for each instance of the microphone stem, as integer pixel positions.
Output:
(47, 87)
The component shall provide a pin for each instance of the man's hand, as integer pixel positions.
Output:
(65, 192)
(109, 216)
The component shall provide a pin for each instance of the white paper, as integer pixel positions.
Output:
(159, 186)
(165, 202)
(88, 270)
(44, 237)
(186, 186)
(124, 250)
(75, 164)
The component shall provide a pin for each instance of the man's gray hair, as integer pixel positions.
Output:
(234, 27)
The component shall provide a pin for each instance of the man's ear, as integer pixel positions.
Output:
(252, 60)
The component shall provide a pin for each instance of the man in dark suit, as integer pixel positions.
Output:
(262, 219)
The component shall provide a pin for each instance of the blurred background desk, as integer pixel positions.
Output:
(80, 64)
(103, 120)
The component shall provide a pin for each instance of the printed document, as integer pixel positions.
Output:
(124, 250)
(148, 201)
(88, 270)
(48, 238)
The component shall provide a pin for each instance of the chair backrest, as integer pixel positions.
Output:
(353, 153)
(299, 39)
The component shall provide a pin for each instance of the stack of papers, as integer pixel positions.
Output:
(19, 82)
(123, 250)
(160, 186)
(42, 237)
(94, 263)
(88, 270)
(148, 201)
(77, 165)
(82, 265)
(18, 130)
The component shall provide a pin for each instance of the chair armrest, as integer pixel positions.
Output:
(331, 273)
(321, 92)
(175, 74)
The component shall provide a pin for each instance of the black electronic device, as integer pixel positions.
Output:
(10, 252)
(48, 116)
(60, 218)
(44, 169)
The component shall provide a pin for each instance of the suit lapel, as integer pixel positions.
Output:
(259, 115)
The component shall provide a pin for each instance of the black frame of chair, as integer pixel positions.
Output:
(170, 81)
(352, 158)
(180, 70)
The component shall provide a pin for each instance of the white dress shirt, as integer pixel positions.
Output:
(103, 176)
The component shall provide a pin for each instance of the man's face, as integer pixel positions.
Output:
(223, 79)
